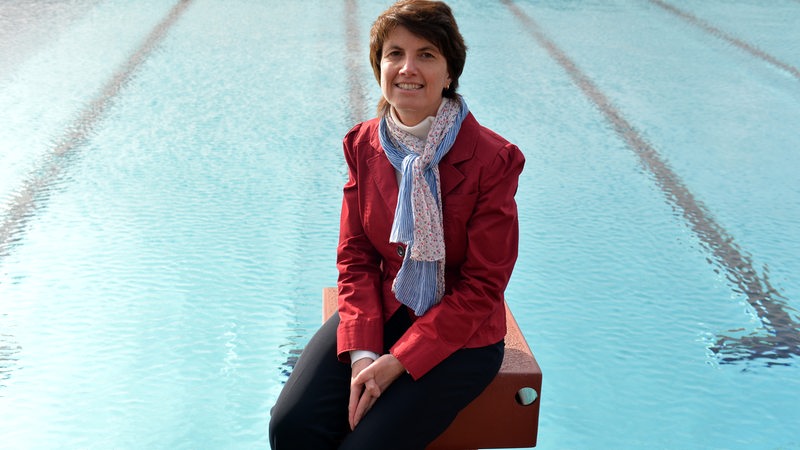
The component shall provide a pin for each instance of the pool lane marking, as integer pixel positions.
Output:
(356, 108)
(751, 49)
(772, 308)
(356, 94)
(29, 198)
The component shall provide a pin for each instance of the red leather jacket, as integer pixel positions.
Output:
(479, 179)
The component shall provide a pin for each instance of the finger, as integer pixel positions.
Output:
(372, 387)
(361, 377)
(355, 395)
(368, 398)
(364, 405)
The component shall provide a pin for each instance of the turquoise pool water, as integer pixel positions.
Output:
(170, 179)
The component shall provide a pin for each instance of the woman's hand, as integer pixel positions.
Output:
(370, 379)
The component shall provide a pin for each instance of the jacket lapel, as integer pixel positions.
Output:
(462, 150)
(383, 175)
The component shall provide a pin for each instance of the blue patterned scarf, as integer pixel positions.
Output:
(418, 218)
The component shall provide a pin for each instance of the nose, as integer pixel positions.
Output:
(409, 67)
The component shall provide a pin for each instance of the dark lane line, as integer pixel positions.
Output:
(754, 51)
(782, 337)
(32, 195)
(356, 113)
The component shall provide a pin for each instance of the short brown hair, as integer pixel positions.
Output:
(430, 20)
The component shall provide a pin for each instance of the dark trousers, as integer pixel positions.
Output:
(311, 411)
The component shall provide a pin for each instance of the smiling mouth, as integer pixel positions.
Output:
(409, 86)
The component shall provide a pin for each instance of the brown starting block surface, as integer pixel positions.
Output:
(506, 414)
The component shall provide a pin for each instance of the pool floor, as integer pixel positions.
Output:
(170, 186)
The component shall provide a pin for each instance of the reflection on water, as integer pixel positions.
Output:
(28, 24)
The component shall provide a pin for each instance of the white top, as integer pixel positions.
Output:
(421, 129)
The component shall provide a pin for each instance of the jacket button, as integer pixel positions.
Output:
(401, 251)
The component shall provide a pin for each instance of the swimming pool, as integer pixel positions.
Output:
(170, 179)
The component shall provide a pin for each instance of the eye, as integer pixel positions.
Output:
(427, 55)
(393, 54)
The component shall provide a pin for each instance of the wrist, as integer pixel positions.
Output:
(357, 355)
(399, 367)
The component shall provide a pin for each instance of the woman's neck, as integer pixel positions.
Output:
(419, 130)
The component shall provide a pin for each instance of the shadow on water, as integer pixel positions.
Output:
(292, 350)
(291, 360)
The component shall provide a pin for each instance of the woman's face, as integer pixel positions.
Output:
(413, 75)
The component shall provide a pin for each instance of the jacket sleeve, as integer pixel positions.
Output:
(492, 241)
(358, 263)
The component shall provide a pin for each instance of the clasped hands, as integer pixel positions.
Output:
(370, 378)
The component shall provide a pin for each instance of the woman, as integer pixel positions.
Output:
(428, 241)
